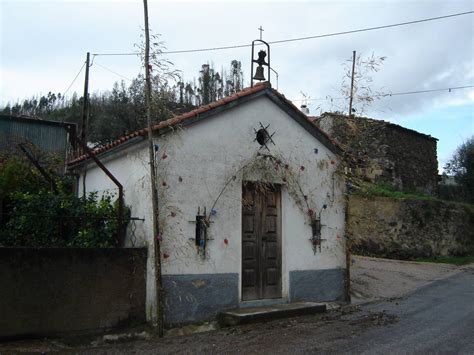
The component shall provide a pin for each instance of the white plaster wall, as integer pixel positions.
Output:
(131, 168)
(195, 163)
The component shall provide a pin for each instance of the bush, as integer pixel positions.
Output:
(46, 219)
(32, 215)
(452, 192)
(366, 189)
(17, 175)
(461, 166)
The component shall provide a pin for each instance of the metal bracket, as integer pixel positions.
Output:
(263, 137)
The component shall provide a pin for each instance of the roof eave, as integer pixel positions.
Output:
(119, 148)
(304, 121)
(216, 108)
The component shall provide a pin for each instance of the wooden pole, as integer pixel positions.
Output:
(154, 193)
(85, 102)
(352, 82)
(84, 119)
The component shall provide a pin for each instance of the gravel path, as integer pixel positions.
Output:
(376, 279)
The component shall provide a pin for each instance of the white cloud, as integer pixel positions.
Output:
(44, 51)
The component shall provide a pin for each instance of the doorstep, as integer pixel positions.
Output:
(259, 314)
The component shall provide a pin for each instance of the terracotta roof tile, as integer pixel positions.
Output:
(201, 109)
(178, 119)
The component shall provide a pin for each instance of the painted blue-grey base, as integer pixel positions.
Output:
(196, 298)
(263, 302)
(317, 285)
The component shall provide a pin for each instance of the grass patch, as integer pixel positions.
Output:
(386, 190)
(455, 260)
(368, 190)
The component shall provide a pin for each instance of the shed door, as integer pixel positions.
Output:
(261, 241)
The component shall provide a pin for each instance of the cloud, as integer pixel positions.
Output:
(45, 50)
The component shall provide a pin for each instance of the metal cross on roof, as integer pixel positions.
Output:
(261, 30)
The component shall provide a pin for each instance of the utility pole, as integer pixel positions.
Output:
(84, 119)
(154, 192)
(352, 82)
(85, 102)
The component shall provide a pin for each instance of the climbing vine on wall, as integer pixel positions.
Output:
(263, 168)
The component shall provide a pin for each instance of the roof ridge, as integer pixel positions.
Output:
(179, 118)
(203, 109)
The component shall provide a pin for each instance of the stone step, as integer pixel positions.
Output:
(260, 314)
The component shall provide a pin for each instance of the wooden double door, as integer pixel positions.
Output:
(261, 241)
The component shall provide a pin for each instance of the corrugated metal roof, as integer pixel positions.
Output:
(49, 136)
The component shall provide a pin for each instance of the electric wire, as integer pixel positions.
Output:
(113, 72)
(74, 80)
(391, 94)
(299, 38)
(372, 28)
(424, 91)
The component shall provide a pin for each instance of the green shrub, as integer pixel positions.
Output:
(17, 175)
(461, 166)
(46, 219)
(386, 190)
(456, 260)
(32, 215)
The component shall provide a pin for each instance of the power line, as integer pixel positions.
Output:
(424, 91)
(74, 80)
(373, 28)
(113, 72)
(392, 94)
(300, 38)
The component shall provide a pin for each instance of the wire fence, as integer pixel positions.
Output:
(62, 230)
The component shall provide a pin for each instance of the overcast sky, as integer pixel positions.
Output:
(44, 43)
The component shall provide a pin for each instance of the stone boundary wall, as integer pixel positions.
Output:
(55, 291)
(383, 152)
(408, 228)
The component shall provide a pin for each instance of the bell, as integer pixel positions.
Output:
(261, 58)
(259, 74)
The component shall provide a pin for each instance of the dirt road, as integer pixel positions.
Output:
(375, 279)
(435, 319)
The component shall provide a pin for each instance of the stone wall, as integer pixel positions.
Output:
(55, 291)
(407, 229)
(383, 152)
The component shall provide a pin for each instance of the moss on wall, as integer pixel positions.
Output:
(383, 152)
(410, 228)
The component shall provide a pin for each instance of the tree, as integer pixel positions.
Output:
(121, 110)
(363, 92)
(461, 166)
(235, 80)
(210, 85)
